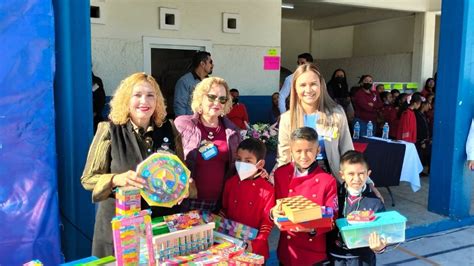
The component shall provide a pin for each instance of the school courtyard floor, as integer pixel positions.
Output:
(454, 247)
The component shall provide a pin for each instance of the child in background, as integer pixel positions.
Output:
(304, 177)
(407, 126)
(248, 197)
(389, 113)
(355, 195)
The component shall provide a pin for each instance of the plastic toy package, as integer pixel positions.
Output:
(326, 221)
(299, 209)
(167, 179)
(231, 228)
(389, 225)
(132, 237)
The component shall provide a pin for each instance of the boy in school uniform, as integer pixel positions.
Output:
(304, 177)
(355, 195)
(248, 196)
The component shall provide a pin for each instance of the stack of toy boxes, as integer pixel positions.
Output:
(301, 213)
(127, 201)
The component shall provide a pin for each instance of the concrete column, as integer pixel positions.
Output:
(423, 47)
(450, 181)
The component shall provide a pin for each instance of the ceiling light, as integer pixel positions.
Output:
(287, 5)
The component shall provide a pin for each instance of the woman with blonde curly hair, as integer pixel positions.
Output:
(137, 128)
(210, 142)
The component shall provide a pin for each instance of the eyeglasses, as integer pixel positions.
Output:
(212, 98)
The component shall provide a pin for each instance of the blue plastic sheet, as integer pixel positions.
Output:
(28, 180)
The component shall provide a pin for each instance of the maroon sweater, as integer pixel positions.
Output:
(362, 108)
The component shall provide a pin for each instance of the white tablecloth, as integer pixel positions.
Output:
(411, 167)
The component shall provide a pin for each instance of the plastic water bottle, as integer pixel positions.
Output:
(356, 130)
(370, 129)
(385, 130)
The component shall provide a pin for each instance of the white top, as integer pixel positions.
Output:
(284, 93)
(470, 143)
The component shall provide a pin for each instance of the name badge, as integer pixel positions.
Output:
(208, 150)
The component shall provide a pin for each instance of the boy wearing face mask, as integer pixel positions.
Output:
(355, 195)
(248, 197)
(303, 177)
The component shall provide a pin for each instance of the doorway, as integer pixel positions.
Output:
(167, 60)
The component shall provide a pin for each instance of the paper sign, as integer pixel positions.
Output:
(387, 86)
(412, 85)
(398, 86)
(271, 63)
(272, 52)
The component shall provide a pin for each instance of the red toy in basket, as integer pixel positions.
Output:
(356, 217)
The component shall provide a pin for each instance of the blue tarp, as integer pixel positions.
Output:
(28, 180)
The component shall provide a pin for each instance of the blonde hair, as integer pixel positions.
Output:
(201, 90)
(325, 104)
(120, 103)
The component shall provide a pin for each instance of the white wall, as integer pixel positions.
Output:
(295, 40)
(391, 36)
(383, 49)
(435, 58)
(117, 49)
(381, 67)
(332, 43)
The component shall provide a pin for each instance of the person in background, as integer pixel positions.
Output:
(210, 143)
(98, 100)
(389, 113)
(248, 197)
(339, 92)
(366, 104)
(429, 87)
(395, 93)
(430, 113)
(238, 114)
(274, 114)
(137, 128)
(470, 147)
(286, 88)
(407, 127)
(380, 88)
(423, 136)
(201, 67)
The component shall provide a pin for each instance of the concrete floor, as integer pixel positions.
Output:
(455, 247)
(414, 205)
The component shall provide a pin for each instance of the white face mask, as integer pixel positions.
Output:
(245, 170)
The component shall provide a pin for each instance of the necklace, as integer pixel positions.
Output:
(211, 134)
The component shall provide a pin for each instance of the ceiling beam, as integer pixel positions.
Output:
(400, 5)
(356, 18)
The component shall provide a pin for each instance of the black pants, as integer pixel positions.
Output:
(368, 260)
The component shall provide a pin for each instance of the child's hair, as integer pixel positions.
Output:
(411, 100)
(305, 133)
(395, 91)
(353, 157)
(384, 95)
(254, 146)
